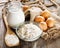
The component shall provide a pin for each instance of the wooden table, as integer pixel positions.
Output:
(40, 43)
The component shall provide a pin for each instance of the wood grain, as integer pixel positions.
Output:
(40, 43)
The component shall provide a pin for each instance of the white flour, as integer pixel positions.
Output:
(29, 32)
(12, 39)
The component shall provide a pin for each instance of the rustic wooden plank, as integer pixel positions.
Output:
(40, 43)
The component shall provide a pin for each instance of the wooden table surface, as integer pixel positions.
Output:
(40, 43)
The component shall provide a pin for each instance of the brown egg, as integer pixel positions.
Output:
(25, 7)
(45, 14)
(39, 19)
(43, 26)
(50, 22)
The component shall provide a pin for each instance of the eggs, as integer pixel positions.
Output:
(43, 26)
(39, 19)
(45, 20)
(45, 14)
(25, 7)
(50, 22)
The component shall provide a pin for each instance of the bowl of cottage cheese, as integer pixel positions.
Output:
(29, 32)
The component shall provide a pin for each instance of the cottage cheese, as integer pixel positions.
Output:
(29, 32)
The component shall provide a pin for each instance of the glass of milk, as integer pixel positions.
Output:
(34, 11)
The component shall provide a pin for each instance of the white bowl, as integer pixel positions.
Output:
(33, 35)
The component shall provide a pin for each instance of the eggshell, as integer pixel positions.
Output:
(43, 26)
(45, 14)
(50, 22)
(25, 7)
(39, 19)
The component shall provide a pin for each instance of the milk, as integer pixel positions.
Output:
(34, 11)
(15, 15)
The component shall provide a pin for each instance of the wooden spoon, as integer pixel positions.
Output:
(10, 38)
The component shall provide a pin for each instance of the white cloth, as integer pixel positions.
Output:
(1, 1)
(1, 7)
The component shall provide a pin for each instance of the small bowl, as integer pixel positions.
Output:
(30, 38)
